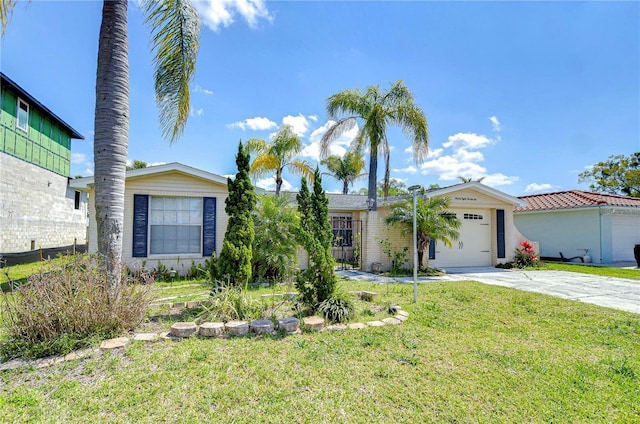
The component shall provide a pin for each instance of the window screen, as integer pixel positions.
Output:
(176, 225)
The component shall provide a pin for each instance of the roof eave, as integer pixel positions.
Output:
(24, 93)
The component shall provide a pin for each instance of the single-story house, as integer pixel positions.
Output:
(174, 214)
(575, 221)
(487, 235)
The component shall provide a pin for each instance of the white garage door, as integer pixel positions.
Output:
(625, 233)
(473, 247)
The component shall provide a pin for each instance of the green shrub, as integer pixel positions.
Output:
(275, 245)
(337, 308)
(228, 303)
(526, 256)
(316, 283)
(69, 307)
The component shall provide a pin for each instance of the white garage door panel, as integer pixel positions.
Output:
(625, 232)
(473, 247)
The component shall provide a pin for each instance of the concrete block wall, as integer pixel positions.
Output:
(37, 205)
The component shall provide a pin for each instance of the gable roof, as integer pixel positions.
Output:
(6, 81)
(572, 199)
(84, 183)
(345, 202)
(475, 185)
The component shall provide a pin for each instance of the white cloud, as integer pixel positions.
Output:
(467, 141)
(78, 158)
(495, 123)
(533, 187)
(257, 124)
(499, 179)
(408, 170)
(338, 147)
(194, 112)
(217, 14)
(269, 183)
(88, 171)
(300, 123)
(448, 168)
(198, 89)
(463, 155)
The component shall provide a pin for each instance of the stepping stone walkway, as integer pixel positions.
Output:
(313, 323)
(145, 337)
(356, 326)
(336, 327)
(237, 328)
(290, 325)
(211, 329)
(183, 329)
(114, 343)
(262, 326)
(180, 330)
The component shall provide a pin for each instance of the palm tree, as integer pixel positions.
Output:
(346, 169)
(469, 179)
(376, 110)
(277, 155)
(175, 30)
(432, 222)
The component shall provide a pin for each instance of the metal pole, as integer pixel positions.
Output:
(415, 252)
(414, 190)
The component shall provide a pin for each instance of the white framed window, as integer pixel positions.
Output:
(175, 225)
(22, 115)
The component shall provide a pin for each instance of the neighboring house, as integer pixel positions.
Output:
(606, 225)
(38, 209)
(174, 214)
(487, 235)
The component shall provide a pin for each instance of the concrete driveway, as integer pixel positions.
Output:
(617, 293)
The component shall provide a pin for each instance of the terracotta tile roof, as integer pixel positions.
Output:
(574, 199)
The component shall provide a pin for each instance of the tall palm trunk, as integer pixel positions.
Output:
(345, 187)
(278, 182)
(373, 175)
(111, 134)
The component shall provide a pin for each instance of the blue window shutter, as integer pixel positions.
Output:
(140, 225)
(432, 249)
(501, 245)
(208, 226)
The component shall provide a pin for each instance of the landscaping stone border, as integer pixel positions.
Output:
(181, 330)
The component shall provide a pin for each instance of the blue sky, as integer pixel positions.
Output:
(525, 94)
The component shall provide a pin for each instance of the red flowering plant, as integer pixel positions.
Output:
(526, 256)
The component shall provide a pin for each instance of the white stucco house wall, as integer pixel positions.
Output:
(606, 225)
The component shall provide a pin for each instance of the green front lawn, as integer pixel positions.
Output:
(633, 274)
(468, 353)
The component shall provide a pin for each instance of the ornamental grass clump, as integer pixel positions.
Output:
(337, 308)
(228, 303)
(69, 307)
